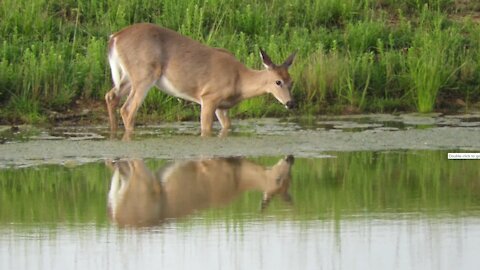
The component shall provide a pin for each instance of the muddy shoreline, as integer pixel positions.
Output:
(253, 137)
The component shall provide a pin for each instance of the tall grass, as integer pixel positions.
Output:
(431, 62)
(343, 78)
(366, 54)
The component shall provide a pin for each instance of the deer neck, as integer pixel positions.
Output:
(253, 82)
(252, 177)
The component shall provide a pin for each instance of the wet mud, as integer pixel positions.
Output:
(70, 145)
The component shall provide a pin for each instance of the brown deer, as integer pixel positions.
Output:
(145, 55)
(139, 197)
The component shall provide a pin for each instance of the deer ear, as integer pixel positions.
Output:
(287, 198)
(289, 60)
(265, 201)
(267, 62)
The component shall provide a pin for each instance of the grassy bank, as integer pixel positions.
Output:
(353, 55)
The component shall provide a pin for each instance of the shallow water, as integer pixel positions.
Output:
(252, 127)
(347, 210)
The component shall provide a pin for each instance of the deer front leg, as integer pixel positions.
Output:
(206, 117)
(222, 116)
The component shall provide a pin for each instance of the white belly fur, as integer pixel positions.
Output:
(166, 86)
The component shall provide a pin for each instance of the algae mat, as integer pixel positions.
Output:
(252, 137)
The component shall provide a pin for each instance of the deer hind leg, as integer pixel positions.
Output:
(129, 109)
(112, 99)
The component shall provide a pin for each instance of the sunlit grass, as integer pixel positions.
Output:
(351, 53)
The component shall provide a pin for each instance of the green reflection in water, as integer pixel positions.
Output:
(349, 185)
(54, 194)
(387, 182)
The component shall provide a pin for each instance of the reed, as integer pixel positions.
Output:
(432, 61)
(356, 53)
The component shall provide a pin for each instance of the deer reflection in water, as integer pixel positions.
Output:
(140, 197)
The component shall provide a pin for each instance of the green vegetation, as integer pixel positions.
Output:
(376, 183)
(353, 55)
(55, 193)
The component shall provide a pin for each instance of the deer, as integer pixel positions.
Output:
(140, 197)
(142, 56)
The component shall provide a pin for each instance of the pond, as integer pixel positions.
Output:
(389, 209)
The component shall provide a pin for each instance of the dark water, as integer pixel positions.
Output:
(355, 210)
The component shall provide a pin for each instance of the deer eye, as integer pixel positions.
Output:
(278, 82)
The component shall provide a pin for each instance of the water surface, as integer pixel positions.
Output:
(349, 210)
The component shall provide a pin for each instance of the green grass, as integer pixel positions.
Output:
(370, 55)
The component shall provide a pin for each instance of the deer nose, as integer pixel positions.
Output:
(290, 159)
(291, 104)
